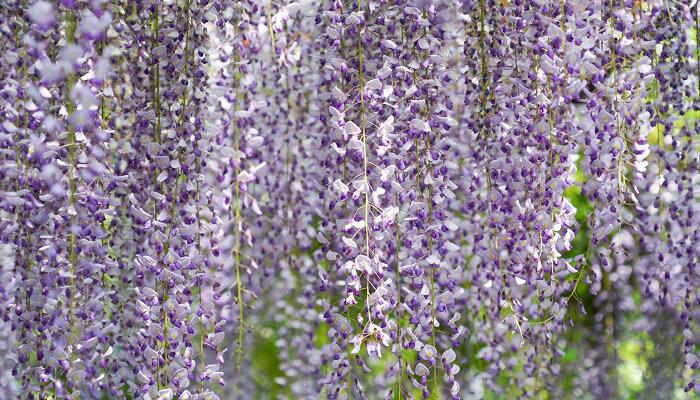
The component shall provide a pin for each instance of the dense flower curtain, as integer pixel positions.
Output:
(363, 199)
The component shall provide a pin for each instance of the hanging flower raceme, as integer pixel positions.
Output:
(238, 166)
(664, 154)
(17, 200)
(63, 173)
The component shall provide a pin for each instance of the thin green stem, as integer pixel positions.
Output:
(272, 32)
(156, 77)
(484, 60)
(363, 126)
(198, 197)
(70, 107)
(18, 160)
(157, 138)
(237, 189)
(429, 202)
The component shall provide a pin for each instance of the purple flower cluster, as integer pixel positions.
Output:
(406, 198)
